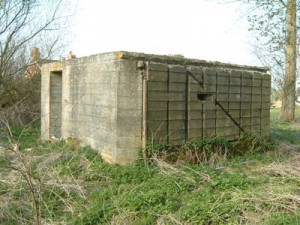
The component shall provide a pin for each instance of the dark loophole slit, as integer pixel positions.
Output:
(204, 97)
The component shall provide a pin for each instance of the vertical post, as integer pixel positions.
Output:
(144, 71)
(168, 105)
(241, 99)
(187, 96)
(216, 100)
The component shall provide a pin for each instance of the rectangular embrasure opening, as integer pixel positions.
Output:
(203, 97)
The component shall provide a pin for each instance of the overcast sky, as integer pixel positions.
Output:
(201, 29)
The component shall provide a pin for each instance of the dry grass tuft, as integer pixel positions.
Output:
(282, 194)
(169, 169)
(46, 177)
(289, 169)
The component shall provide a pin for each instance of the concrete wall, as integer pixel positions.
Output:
(192, 102)
(101, 105)
(115, 101)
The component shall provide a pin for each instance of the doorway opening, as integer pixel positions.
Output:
(55, 103)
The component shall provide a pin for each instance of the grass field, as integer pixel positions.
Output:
(67, 185)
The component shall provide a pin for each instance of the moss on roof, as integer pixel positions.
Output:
(184, 61)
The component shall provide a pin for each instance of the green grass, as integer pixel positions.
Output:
(79, 188)
(285, 131)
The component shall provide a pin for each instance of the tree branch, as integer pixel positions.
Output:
(282, 2)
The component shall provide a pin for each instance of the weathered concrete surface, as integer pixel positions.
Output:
(100, 105)
(49, 91)
(99, 101)
(192, 102)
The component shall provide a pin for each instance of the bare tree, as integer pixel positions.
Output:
(289, 89)
(273, 22)
(25, 24)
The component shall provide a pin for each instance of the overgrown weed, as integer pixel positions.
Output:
(212, 151)
(236, 183)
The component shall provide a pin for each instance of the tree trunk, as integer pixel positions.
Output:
(289, 89)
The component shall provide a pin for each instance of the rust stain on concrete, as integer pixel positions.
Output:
(56, 66)
(118, 55)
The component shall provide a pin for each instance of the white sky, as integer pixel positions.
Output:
(201, 29)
